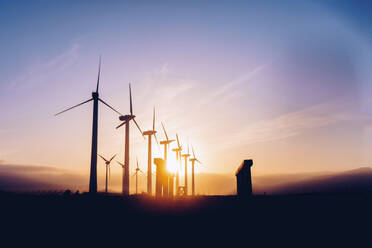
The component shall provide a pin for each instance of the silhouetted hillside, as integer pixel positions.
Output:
(358, 180)
(21, 178)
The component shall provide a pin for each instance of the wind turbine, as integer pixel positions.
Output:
(93, 161)
(125, 120)
(107, 162)
(136, 174)
(193, 160)
(186, 156)
(178, 151)
(166, 145)
(150, 133)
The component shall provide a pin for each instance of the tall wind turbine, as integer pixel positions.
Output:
(136, 174)
(166, 143)
(150, 133)
(107, 163)
(193, 160)
(126, 119)
(178, 151)
(93, 158)
(186, 156)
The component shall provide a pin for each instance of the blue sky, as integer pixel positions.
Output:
(285, 82)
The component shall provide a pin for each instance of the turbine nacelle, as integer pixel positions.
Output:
(149, 132)
(95, 95)
(166, 142)
(194, 159)
(126, 117)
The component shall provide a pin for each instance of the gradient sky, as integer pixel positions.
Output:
(286, 83)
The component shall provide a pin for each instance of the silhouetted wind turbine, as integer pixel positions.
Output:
(122, 165)
(93, 161)
(107, 162)
(136, 174)
(186, 156)
(193, 160)
(166, 143)
(178, 157)
(126, 119)
(149, 133)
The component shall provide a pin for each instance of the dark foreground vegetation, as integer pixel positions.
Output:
(264, 219)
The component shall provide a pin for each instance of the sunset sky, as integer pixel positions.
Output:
(285, 83)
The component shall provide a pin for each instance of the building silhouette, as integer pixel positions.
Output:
(244, 178)
(161, 186)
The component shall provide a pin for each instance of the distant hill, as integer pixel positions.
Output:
(357, 180)
(43, 178)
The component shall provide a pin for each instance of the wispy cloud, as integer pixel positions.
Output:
(226, 91)
(295, 123)
(38, 71)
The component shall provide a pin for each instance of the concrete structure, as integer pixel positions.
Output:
(244, 178)
(161, 188)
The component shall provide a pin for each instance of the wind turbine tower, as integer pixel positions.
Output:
(126, 120)
(93, 158)
(193, 160)
(150, 133)
(107, 163)
(186, 156)
(136, 174)
(178, 158)
(166, 143)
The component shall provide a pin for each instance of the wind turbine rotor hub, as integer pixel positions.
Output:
(126, 117)
(95, 95)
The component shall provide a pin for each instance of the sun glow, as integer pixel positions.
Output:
(172, 164)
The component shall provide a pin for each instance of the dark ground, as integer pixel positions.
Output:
(299, 219)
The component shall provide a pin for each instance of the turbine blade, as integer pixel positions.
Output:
(137, 161)
(139, 128)
(198, 161)
(157, 142)
(130, 99)
(193, 153)
(103, 158)
(124, 122)
(178, 141)
(74, 106)
(165, 132)
(156, 139)
(109, 106)
(112, 158)
(120, 163)
(153, 120)
(99, 73)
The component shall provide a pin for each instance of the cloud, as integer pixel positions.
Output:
(292, 124)
(35, 178)
(38, 72)
(226, 91)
